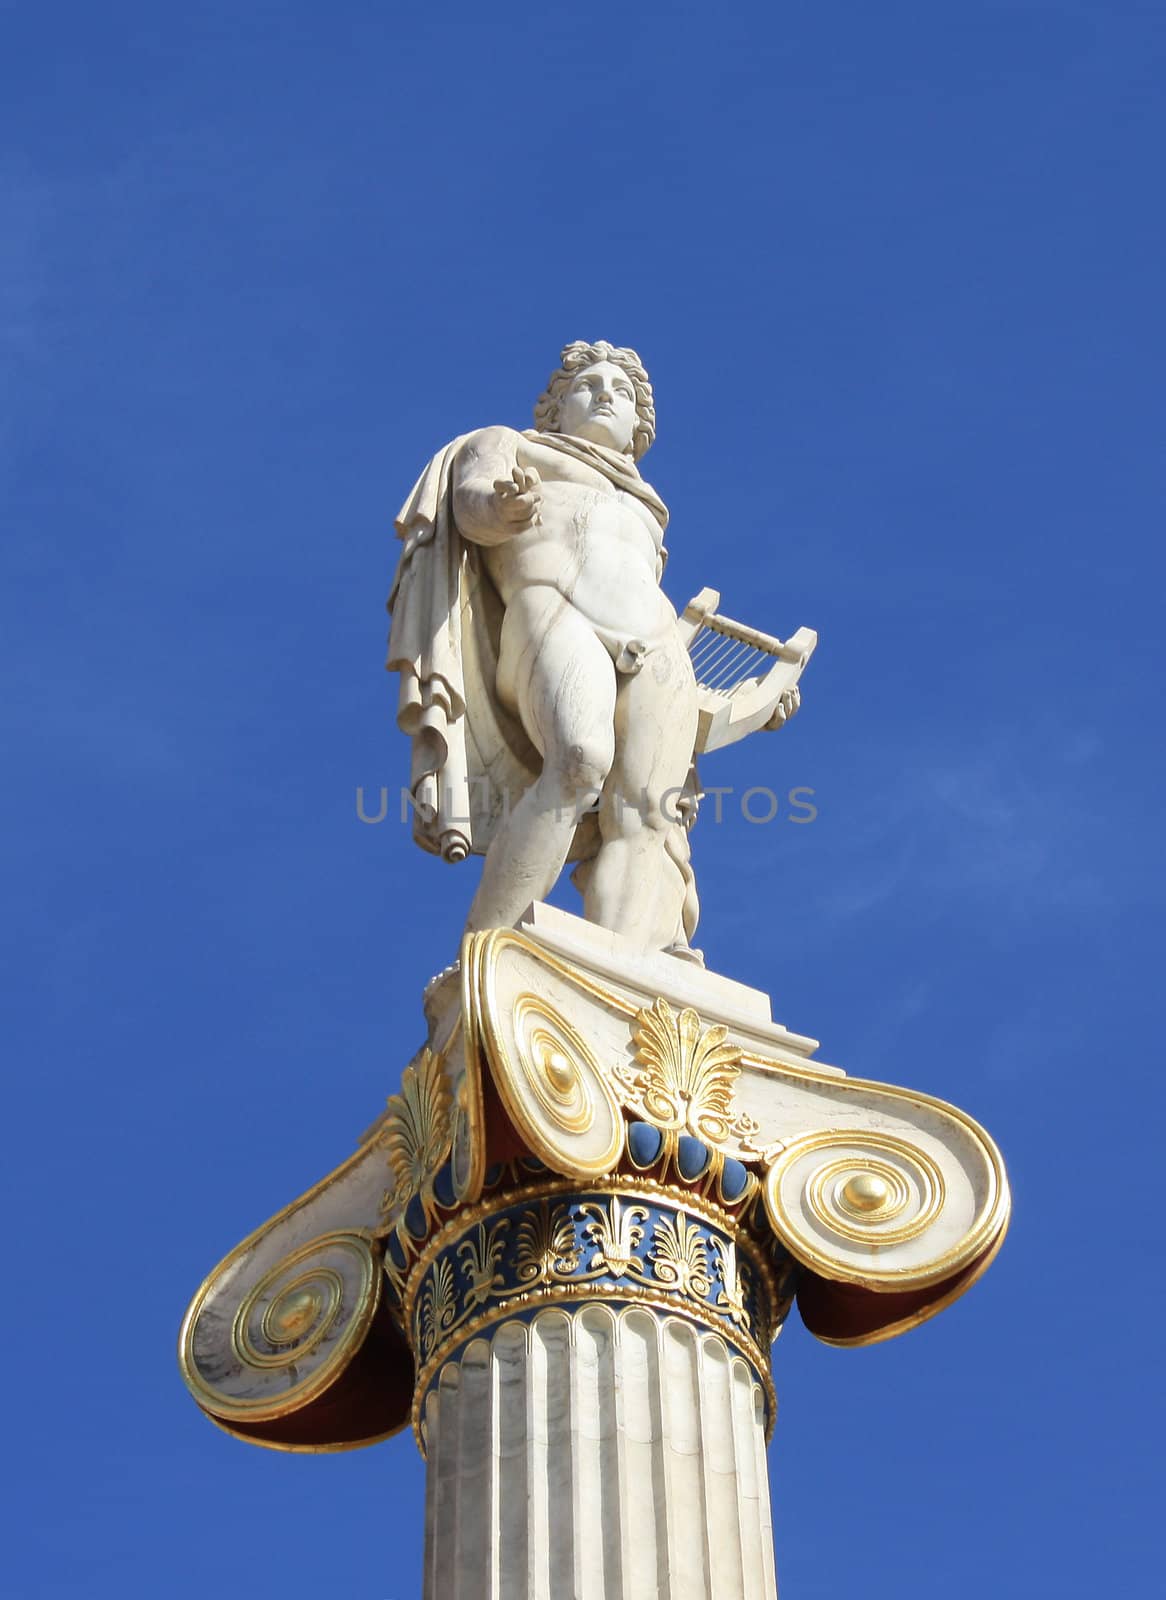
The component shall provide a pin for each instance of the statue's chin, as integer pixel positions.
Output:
(596, 433)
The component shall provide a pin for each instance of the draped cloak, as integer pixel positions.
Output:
(471, 758)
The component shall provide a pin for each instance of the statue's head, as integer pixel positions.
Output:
(600, 393)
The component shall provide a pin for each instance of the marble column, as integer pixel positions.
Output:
(600, 1453)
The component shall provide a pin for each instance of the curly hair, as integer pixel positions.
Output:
(577, 358)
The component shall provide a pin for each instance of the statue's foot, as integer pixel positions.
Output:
(685, 952)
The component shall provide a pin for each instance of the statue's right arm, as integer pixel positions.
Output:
(493, 497)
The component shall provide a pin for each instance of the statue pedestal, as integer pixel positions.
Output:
(563, 1254)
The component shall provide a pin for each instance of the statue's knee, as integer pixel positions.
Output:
(584, 766)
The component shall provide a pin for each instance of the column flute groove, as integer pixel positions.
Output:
(597, 1453)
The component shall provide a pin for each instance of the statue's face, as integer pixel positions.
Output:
(600, 405)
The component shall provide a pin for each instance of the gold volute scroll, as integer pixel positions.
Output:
(291, 1334)
(278, 1348)
(549, 1079)
(873, 1209)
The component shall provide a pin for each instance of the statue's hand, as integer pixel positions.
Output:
(785, 708)
(517, 498)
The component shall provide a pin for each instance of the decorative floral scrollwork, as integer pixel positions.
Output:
(417, 1134)
(684, 1076)
(680, 1257)
(479, 1256)
(615, 1230)
(546, 1245)
(624, 1242)
(437, 1308)
(734, 1282)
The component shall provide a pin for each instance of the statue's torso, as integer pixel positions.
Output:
(595, 543)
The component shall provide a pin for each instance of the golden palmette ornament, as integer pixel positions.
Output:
(734, 1280)
(615, 1229)
(479, 1256)
(416, 1135)
(685, 1075)
(438, 1306)
(680, 1257)
(546, 1245)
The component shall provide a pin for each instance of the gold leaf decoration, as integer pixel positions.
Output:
(684, 1076)
(615, 1230)
(479, 1257)
(396, 1276)
(735, 1282)
(417, 1133)
(546, 1245)
(438, 1306)
(680, 1256)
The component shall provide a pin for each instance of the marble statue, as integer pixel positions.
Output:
(546, 681)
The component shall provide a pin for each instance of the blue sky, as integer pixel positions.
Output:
(897, 272)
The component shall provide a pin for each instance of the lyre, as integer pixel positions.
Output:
(745, 679)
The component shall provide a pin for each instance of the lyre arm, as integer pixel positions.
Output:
(701, 612)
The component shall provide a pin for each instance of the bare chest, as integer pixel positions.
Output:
(582, 507)
(593, 542)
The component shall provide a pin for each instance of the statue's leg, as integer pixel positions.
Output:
(634, 886)
(558, 677)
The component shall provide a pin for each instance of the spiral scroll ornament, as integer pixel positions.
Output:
(864, 1207)
(558, 1095)
(256, 1348)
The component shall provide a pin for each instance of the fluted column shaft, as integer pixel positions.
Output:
(597, 1453)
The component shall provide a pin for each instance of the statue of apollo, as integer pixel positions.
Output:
(546, 682)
